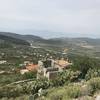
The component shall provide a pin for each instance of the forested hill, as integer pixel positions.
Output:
(60, 41)
(11, 40)
(22, 37)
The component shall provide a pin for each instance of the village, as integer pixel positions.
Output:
(45, 62)
(47, 67)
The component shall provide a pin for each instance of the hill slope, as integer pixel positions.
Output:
(11, 40)
(54, 41)
(85, 46)
(22, 37)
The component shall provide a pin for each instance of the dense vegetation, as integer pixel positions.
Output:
(69, 84)
(13, 40)
(64, 85)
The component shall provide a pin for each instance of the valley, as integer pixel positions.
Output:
(21, 52)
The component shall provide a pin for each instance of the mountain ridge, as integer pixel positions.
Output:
(11, 40)
(52, 41)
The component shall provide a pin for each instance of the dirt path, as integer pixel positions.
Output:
(18, 82)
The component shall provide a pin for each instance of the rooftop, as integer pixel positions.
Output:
(32, 67)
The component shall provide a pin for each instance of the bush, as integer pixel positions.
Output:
(64, 93)
(64, 78)
(29, 75)
(92, 73)
(94, 85)
(14, 91)
(56, 97)
(10, 91)
(38, 84)
(73, 91)
(84, 63)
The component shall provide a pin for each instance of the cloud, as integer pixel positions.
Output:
(67, 16)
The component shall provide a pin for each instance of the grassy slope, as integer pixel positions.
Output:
(84, 90)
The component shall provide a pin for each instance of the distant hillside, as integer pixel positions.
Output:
(22, 37)
(55, 41)
(90, 41)
(36, 40)
(75, 41)
(80, 46)
(11, 40)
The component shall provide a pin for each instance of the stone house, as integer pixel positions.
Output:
(50, 68)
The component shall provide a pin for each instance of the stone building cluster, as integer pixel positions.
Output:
(49, 68)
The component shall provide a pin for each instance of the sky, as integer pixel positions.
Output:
(51, 18)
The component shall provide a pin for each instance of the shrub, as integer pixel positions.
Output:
(94, 85)
(15, 90)
(38, 84)
(92, 73)
(73, 91)
(64, 93)
(64, 78)
(84, 63)
(30, 75)
(56, 97)
(10, 91)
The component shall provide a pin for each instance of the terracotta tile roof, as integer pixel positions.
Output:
(31, 67)
(62, 63)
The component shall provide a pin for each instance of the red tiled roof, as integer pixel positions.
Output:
(31, 67)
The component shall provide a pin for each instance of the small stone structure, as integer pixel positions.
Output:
(46, 69)
(52, 75)
(50, 68)
(51, 72)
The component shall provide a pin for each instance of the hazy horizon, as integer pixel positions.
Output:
(51, 18)
(54, 35)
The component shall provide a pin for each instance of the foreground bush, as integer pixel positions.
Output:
(25, 88)
(73, 91)
(38, 84)
(84, 63)
(30, 75)
(94, 85)
(92, 73)
(64, 93)
(68, 92)
(65, 77)
(14, 91)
